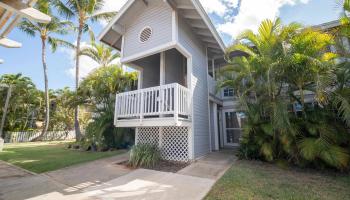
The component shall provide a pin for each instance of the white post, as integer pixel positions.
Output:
(213, 67)
(116, 110)
(142, 106)
(162, 69)
(176, 102)
(216, 128)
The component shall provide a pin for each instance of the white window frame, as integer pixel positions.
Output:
(225, 128)
(223, 92)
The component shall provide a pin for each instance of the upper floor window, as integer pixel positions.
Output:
(145, 34)
(228, 92)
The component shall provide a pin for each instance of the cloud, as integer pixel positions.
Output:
(111, 6)
(252, 12)
(219, 7)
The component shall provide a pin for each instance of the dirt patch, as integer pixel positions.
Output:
(163, 166)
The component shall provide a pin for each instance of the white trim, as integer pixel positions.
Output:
(209, 23)
(216, 127)
(209, 117)
(122, 47)
(198, 6)
(175, 26)
(162, 68)
(225, 129)
(152, 122)
(213, 68)
(149, 52)
(189, 58)
(190, 142)
(116, 18)
(25, 10)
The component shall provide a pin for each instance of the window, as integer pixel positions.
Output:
(145, 34)
(228, 92)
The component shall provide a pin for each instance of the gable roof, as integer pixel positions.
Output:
(191, 10)
(328, 25)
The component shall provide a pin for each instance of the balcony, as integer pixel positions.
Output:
(166, 105)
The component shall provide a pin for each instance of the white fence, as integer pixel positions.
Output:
(14, 137)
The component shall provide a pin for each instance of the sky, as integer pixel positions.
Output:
(230, 17)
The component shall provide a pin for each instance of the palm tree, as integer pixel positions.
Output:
(83, 11)
(100, 53)
(25, 99)
(45, 31)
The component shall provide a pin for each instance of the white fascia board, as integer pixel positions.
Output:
(25, 11)
(5, 42)
(115, 19)
(208, 22)
(149, 52)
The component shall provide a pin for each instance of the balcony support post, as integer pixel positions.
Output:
(176, 104)
(142, 106)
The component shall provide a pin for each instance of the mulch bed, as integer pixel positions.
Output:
(163, 165)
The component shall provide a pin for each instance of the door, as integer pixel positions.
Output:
(233, 122)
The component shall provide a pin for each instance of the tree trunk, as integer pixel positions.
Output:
(78, 134)
(47, 97)
(7, 102)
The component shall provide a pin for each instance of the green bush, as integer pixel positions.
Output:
(144, 155)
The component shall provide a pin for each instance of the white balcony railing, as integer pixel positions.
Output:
(166, 101)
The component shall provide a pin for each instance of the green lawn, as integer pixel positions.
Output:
(41, 157)
(250, 180)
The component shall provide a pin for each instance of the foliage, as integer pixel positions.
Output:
(26, 102)
(285, 66)
(102, 54)
(45, 31)
(144, 155)
(97, 93)
(83, 12)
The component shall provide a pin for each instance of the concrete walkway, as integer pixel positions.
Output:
(212, 166)
(104, 179)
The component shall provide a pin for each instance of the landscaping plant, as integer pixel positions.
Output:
(295, 95)
(96, 93)
(144, 155)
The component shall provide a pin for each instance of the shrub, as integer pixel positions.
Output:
(144, 155)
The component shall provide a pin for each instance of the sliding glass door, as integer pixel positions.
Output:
(233, 123)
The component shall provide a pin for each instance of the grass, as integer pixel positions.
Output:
(259, 181)
(41, 157)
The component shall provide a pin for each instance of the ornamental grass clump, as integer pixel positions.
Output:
(144, 155)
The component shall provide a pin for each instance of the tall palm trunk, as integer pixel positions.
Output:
(78, 134)
(3, 119)
(47, 98)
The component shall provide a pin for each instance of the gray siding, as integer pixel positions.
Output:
(151, 70)
(199, 88)
(174, 69)
(158, 16)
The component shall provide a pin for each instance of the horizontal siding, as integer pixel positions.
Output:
(174, 72)
(199, 86)
(158, 16)
(151, 70)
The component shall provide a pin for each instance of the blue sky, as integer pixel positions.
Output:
(229, 16)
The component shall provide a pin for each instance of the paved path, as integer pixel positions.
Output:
(103, 179)
(212, 166)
